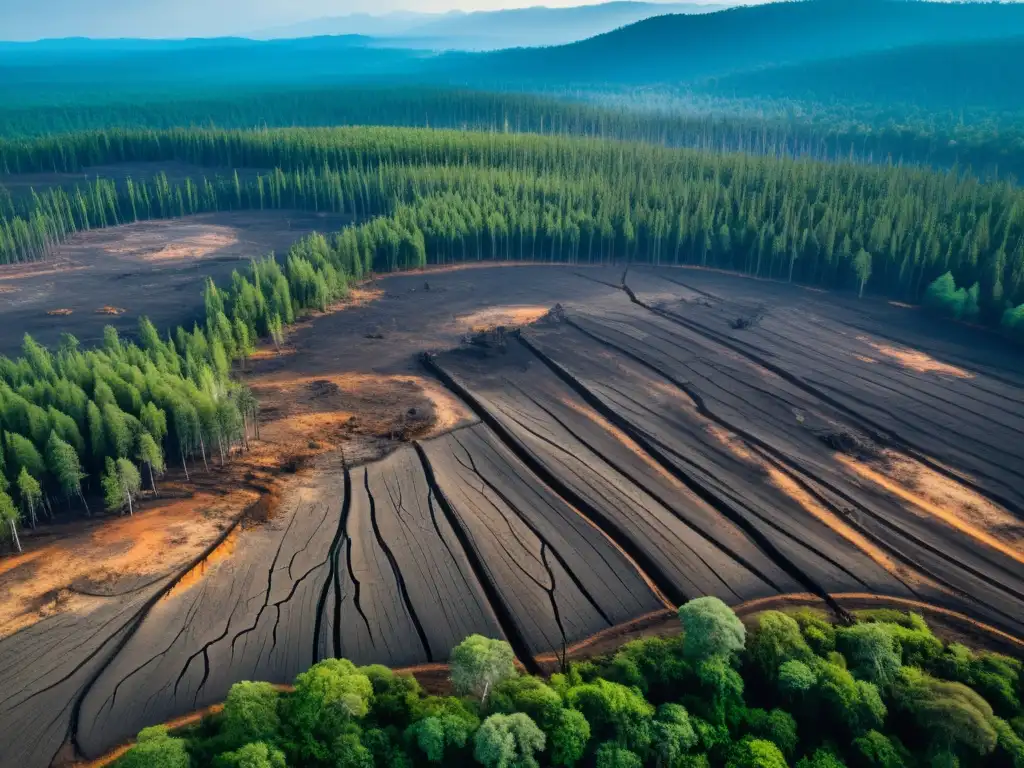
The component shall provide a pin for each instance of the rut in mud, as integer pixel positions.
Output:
(625, 454)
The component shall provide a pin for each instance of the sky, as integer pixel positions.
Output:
(34, 19)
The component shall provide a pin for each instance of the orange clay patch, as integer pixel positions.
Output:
(733, 443)
(931, 493)
(190, 247)
(112, 554)
(917, 361)
(791, 488)
(508, 315)
(449, 411)
(197, 573)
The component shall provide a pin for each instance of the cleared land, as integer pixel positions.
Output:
(627, 451)
(154, 268)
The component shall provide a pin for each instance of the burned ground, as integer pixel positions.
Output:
(628, 452)
(155, 268)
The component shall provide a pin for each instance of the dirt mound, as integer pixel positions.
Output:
(554, 316)
(745, 322)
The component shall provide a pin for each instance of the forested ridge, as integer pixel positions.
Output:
(796, 690)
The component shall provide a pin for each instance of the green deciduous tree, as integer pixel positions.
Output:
(613, 755)
(436, 734)
(673, 734)
(954, 716)
(149, 453)
(862, 268)
(876, 749)
(478, 663)
(156, 749)
(872, 651)
(777, 640)
(253, 755)
(251, 714)
(711, 628)
(614, 712)
(327, 697)
(568, 738)
(508, 741)
(756, 753)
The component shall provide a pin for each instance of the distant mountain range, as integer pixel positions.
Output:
(927, 53)
(678, 48)
(490, 30)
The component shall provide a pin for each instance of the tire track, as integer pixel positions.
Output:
(661, 502)
(506, 621)
(699, 489)
(544, 545)
(395, 570)
(651, 571)
(864, 422)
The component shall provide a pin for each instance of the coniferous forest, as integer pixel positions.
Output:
(881, 164)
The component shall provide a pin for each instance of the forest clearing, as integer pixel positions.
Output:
(155, 269)
(603, 462)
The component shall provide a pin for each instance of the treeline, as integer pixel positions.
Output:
(987, 141)
(75, 424)
(797, 690)
(468, 196)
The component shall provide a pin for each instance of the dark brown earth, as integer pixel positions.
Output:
(616, 458)
(156, 269)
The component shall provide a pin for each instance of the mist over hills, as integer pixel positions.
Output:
(939, 76)
(677, 48)
(490, 30)
(942, 55)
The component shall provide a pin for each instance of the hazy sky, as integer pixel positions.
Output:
(32, 19)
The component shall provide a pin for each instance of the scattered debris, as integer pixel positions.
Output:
(749, 321)
(555, 315)
(490, 338)
(323, 388)
(849, 443)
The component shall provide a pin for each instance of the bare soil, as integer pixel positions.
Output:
(566, 487)
(157, 269)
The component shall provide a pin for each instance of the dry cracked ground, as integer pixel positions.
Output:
(617, 456)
